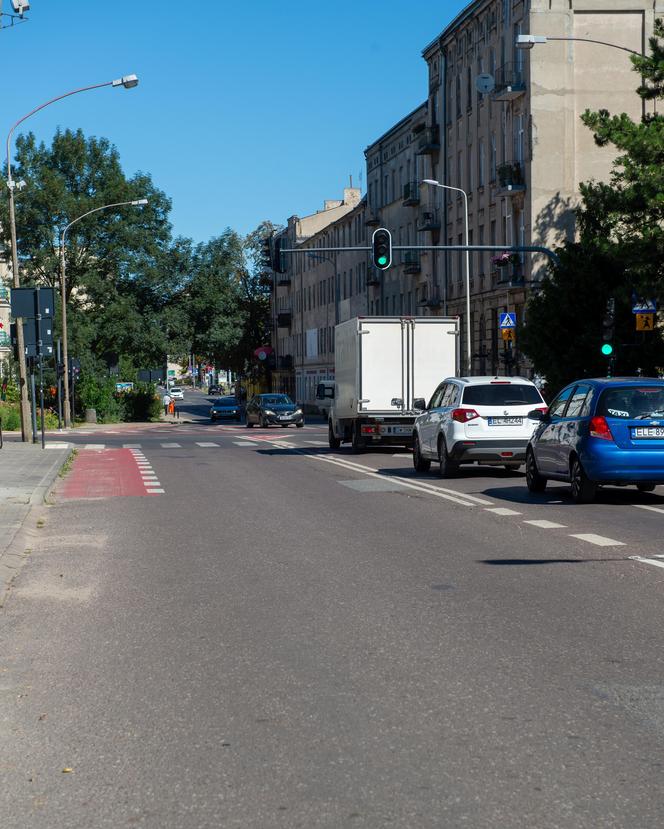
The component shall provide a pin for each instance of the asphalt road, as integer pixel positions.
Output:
(289, 637)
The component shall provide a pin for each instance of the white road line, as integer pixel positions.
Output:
(244, 443)
(645, 506)
(502, 511)
(57, 445)
(599, 540)
(155, 491)
(546, 525)
(95, 446)
(205, 445)
(171, 446)
(399, 481)
(647, 561)
(279, 444)
(317, 442)
(131, 445)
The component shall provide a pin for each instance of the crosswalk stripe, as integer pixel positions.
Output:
(131, 445)
(317, 442)
(646, 506)
(244, 443)
(502, 511)
(171, 446)
(546, 525)
(95, 446)
(205, 445)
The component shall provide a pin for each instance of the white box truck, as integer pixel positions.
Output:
(386, 368)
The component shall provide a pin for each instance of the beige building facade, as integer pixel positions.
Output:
(502, 125)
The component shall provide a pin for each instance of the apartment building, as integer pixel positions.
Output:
(512, 139)
(5, 341)
(318, 290)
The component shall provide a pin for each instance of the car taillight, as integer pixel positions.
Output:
(599, 428)
(464, 415)
(543, 409)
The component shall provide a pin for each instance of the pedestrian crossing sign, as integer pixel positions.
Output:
(508, 335)
(645, 322)
(507, 320)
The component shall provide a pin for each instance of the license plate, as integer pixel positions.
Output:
(505, 421)
(396, 430)
(645, 432)
(285, 417)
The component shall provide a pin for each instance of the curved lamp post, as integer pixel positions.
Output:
(528, 41)
(63, 235)
(469, 333)
(126, 82)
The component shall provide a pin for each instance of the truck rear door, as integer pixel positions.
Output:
(381, 364)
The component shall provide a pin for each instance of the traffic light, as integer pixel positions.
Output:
(608, 327)
(278, 258)
(266, 252)
(381, 248)
(61, 370)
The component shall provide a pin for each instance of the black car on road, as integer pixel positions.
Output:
(226, 407)
(273, 410)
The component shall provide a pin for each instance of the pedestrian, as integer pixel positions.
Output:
(166, 400)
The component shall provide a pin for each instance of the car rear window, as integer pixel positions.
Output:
(632, 401)
(501, 394)
(227, 401)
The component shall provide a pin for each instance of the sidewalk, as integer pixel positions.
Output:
(27, 474)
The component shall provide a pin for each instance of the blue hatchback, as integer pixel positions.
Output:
(600, 431)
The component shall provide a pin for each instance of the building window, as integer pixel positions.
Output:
(481, 164)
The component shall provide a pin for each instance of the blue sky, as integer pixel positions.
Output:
(244, 112)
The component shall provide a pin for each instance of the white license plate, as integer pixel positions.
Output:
(505, 421)
(396, 430)
(285, 417)
(645, 432)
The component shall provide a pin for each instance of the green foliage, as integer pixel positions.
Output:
(97, 393)
(619, 253)
(10, 416)
(142, 403)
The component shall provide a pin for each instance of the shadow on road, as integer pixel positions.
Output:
(518, 562)
(617, 496)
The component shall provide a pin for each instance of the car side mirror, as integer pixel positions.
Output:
(419, 403)
(538, 414)
(396, 401)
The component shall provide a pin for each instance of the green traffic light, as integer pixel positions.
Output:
(382, 260)
(607, 349)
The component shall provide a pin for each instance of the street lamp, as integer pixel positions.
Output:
(469, 356)
(127, 82)
(528, 41)
(133, 203)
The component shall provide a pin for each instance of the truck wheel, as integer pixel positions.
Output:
(333, 441)
(356, 441)
(421, 464)
(447, 467)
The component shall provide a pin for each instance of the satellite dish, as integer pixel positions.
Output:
(485, 83)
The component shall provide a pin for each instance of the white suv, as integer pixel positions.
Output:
(476, 420)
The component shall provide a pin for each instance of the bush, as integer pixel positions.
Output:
(141, 403)
(11, 416)
(99, 394)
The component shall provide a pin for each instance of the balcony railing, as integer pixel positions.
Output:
(411, 262)
(283, 279)
(4, 295)
(510, 83)
(429, 141)
(373, 277)
(509, 276)
(429, 220)
(372, 218)
(510, 178)
(5, 342)
(411, 194)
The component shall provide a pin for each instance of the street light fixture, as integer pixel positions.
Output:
(528, 41)
(469, 356)
(127, 82)
(65, 358)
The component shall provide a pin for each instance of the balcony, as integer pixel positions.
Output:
(510, 83)
(4, 295)
(411, 262)
(429, 220)
(429, 141)
(5, 341)
(510, 178)
(509, 276)
(284, 319)
(283, 279)
(411, 194)
(373, 277)
(372, 218)
(285, 363)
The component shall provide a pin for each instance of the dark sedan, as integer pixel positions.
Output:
(273, 409)
(226, 407)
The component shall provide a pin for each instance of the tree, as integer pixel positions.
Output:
(619, 252)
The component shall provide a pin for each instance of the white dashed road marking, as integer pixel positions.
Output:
(645, 506)
(599, 540)
(502, 511)
(131, 445)
(205, 445)
(57, 445)
(95, 446)
(317, 442)
(244, 443)
(647, 561)
(546, 525)
(171, 446)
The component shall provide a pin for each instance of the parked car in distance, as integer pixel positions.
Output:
(214, 390)
(597, 432)
(226, 407)
(476, 420)
(273, 409)
(176, 393)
